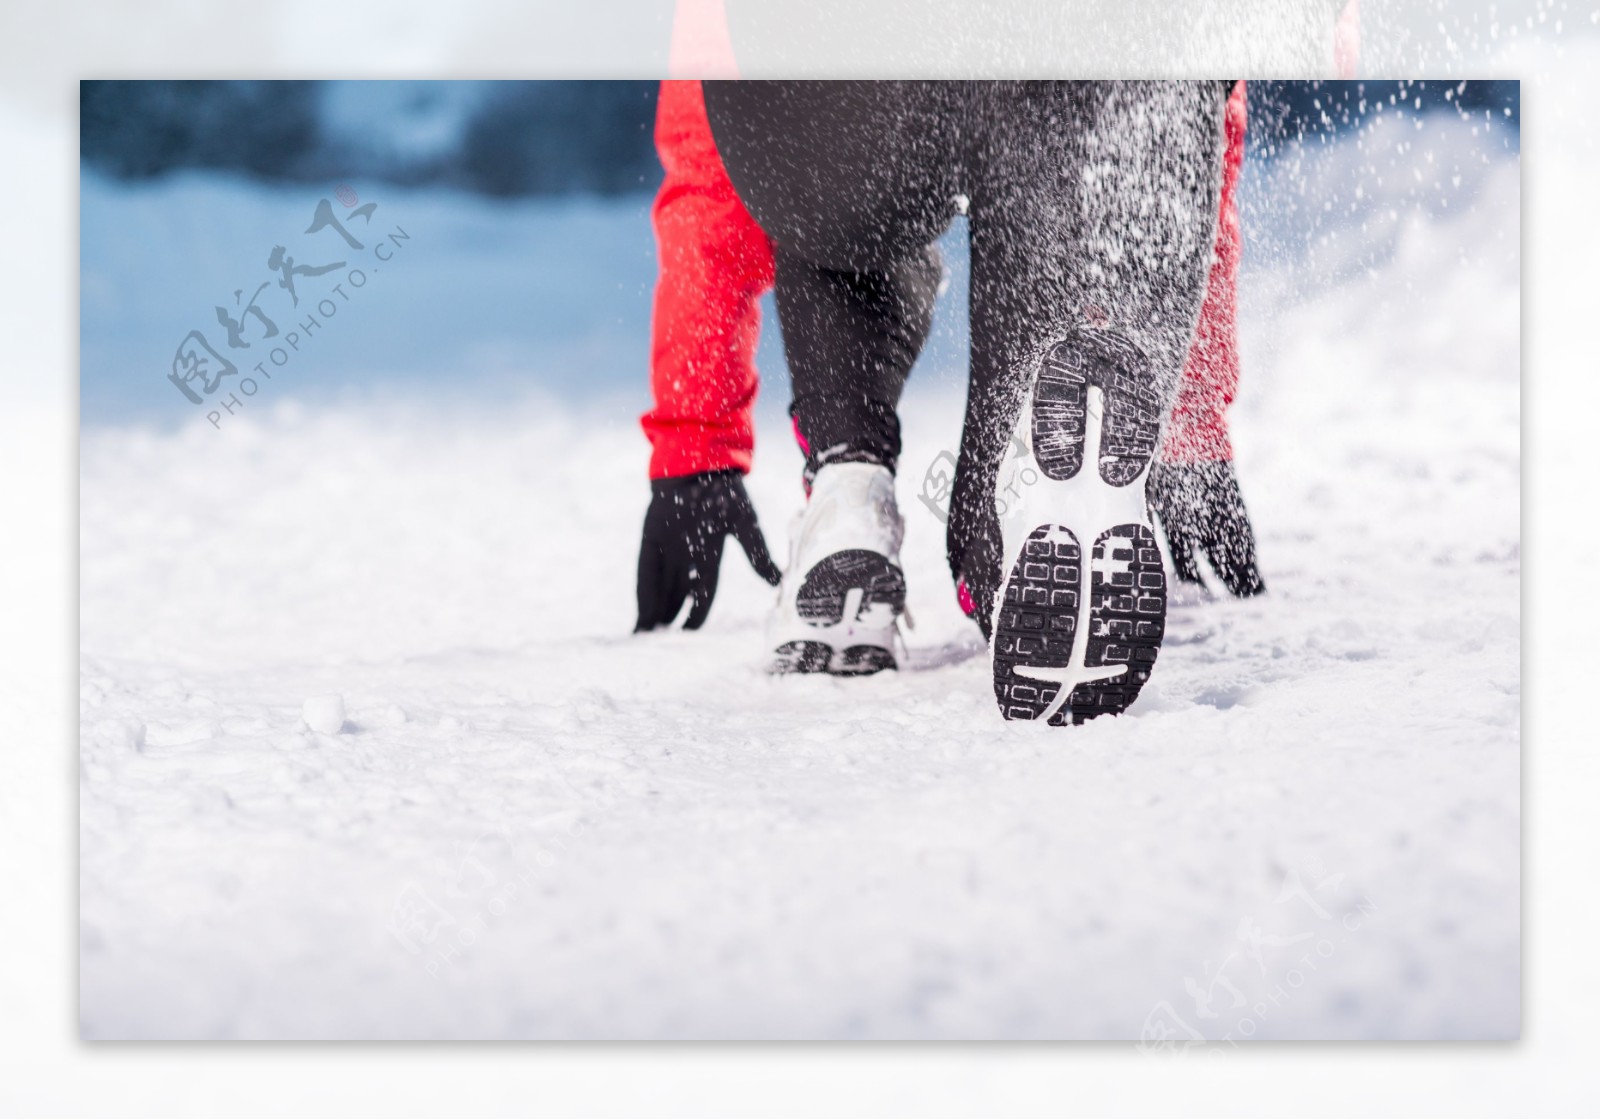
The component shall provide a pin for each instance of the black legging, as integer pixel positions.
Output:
(1093, 210)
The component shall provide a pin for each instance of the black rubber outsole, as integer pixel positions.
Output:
(817, 657)
(821, 601)
(1040, 598)
(1060, 409)
(1127, 620)
(1038, 621)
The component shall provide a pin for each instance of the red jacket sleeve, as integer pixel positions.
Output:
(1198, 429)
(715, 263)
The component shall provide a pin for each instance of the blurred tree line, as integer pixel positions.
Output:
(514, 139)
(504, 138)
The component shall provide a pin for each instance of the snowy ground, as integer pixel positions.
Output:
(529, 823)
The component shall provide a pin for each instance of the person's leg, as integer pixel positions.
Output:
(1193, 485)
(1093, 211)
(853, 183)
(850, 339)
(715, 264)
(1197, 431)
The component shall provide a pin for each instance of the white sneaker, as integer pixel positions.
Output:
(843, 592)
(1082, 610)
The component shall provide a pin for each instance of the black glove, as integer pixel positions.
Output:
(684, 530)
(1201, 509)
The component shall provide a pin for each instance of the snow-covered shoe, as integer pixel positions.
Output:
(1082, 609)
(843, 592)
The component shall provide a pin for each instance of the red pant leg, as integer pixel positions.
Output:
(715, 264)
(1198, 429)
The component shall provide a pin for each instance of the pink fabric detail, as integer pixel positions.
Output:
(799, 437)
(964, 597)
(701, 46)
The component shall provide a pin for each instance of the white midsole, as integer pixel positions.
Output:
(1087, 506)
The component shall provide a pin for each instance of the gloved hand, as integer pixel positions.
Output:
(1201, 510)
(684, 531)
